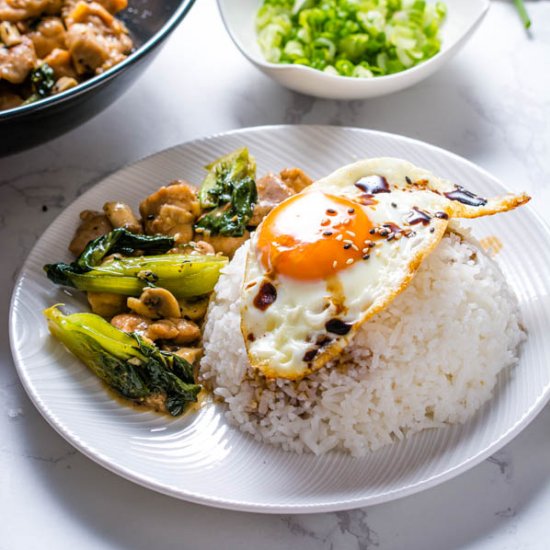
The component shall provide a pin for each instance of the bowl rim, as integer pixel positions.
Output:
(96, 81)
(291, 67)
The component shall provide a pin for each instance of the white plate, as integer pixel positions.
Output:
(202, 459)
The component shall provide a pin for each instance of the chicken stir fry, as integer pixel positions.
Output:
(48, 46)
(195, 229)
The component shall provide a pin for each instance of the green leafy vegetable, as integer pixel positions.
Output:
(522, 10)
(229, 190)
(185, 275)
(135, 369)
(42, 82)
(360, 39)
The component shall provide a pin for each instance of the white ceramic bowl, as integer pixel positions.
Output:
(464, 16)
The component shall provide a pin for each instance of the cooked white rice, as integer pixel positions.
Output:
(431, 358)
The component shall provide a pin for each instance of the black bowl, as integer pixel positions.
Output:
(149, 22)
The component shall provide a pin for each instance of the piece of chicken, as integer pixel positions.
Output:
(191, 355)
(172, 210)
(106, 304)
(178, 331)
(121, 215)
(93, 224)
(19, 10)
(18, 61)
(296, 179)
(95, 39)
(131, 322)
(61, 63)
(224, 245)
(271, 191)
(48, 35)
(9, 99)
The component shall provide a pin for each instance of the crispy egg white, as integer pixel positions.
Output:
(326, 260)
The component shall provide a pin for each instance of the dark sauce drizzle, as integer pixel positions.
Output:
(373, 184)
(310, 355)
(266, 296)
(465, 197)
(322, 341)
(337, 326)
(417, 216)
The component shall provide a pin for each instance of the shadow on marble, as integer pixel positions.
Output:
(443, 110)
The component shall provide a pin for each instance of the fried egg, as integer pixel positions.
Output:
(324, 261)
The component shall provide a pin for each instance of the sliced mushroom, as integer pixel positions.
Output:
(121, 215)
(155, 303)
(194, 310)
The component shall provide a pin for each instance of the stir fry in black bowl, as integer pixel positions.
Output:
(63, 61)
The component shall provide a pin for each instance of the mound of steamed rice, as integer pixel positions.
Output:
(430, 359)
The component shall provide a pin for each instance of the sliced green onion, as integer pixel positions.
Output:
(354, 38)
(522, 10)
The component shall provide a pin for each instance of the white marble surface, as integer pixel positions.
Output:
(491, 104)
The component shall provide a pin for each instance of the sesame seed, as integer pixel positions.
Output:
(366, 256)
(347, 246)
(331, 211)
(391, 236)
(432, 229)
(355, 247)
(199, 230)
(327, 233)
(349, 261)
(365, 250)
(339, 237)
(408, 180)
(372, 231)
(394, 205)
(350, 233)
(347, 241)
(351, 210)
(334, 264)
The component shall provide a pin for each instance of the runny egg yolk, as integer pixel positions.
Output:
(312, 236)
